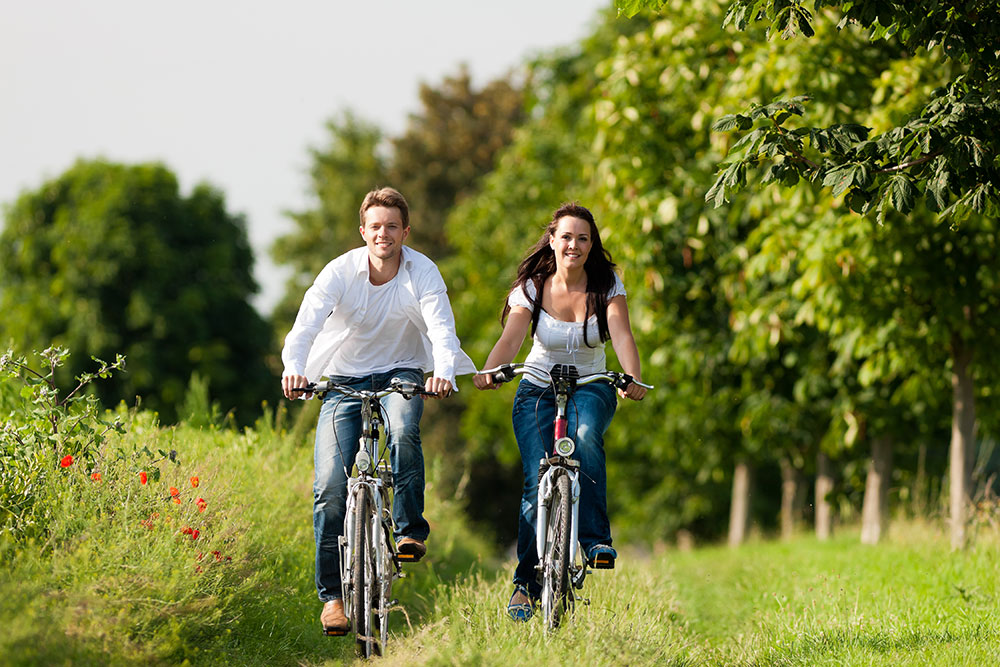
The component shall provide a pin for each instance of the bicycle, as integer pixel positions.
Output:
(560, 571)
(369, 562)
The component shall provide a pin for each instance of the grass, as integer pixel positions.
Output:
(106, 589)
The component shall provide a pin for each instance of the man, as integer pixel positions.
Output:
(373, 314)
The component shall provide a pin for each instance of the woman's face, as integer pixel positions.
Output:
(571, 242)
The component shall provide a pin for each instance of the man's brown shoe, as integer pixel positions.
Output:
(409, 550)
(335, 623)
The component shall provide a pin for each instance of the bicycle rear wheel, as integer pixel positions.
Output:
(555, 564)
(363, 566)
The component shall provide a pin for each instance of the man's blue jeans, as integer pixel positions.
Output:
(337, 434)
(589, 413)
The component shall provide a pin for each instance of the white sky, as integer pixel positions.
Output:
(234, 93)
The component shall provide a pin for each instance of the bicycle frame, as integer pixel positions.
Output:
(560, 425)
(558, 598)
(370, 483)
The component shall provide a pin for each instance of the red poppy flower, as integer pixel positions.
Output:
(66, 461)
(195, 482)
(174, 491)
(177, 501)
(143, 477)
(202, 504)
(96, 476)
(187, 530)
(195, 533)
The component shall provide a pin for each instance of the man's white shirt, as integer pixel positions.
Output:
(347, 326)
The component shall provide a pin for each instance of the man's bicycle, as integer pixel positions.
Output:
(369, 562)
(561, 565)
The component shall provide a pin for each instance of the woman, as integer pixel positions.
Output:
(568, 294)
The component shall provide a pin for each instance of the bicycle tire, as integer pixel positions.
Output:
(384, 587)
(364, 575)
(555, 566)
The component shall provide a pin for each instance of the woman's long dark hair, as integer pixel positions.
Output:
(541, 263)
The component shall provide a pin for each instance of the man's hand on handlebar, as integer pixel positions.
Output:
(439, 386)
(291, 382)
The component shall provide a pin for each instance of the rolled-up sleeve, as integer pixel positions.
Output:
(317, 304)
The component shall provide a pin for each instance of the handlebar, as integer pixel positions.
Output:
(507, 372)
(406, 389)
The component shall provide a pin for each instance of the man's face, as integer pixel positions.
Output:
(383, 232)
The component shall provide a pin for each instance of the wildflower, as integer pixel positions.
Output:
(143, 477)
(194, 482)
(187, 530)
(202, 504)
(177, 501)
(174, 491)
(66, 461)
(218, 556)
(195, 533)
(96, 476)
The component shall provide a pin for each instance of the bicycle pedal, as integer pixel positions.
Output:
(407, 558)
(334, 633)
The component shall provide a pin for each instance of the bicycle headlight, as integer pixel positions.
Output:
(564, 446)
(363, 461)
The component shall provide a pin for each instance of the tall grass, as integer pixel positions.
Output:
(118, 580)
(121, 577)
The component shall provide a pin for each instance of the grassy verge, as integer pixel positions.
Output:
(909, 602)
(121, 578)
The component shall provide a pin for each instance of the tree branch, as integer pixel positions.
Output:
(912, 163)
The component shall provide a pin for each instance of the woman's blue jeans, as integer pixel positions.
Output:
(589, 413)
(337, 434)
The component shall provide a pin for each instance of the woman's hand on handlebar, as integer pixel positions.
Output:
(291, 382)
(634, 390)
(485, 381)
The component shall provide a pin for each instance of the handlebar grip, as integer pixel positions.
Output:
(504, 374)
(623, 380)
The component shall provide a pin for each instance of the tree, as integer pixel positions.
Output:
(946, 150)
(449, 145)
(342, 172)
(110, 258)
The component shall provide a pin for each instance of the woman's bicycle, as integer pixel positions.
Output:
(561, 565)
(369, 562)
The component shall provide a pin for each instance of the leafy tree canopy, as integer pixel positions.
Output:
(110, 258)
(945, 152)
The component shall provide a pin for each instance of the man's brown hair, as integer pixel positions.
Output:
(388, 197)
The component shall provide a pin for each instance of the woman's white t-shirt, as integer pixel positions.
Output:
(559, 342)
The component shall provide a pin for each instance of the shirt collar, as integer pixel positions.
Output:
(361, 267)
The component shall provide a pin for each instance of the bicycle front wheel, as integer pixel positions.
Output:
(555, 563)
(365, 580)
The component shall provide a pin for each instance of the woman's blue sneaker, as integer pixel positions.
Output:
(601, 557)
(520, 611)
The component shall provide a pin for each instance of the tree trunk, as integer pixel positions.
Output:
(824, 487)
(792, 498)
(875, 510)
(963, 422)
(739, 508)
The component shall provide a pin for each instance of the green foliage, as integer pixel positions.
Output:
(341, 173)
(946, 150)
(439, 159)
(448, 146)
(42, 435)
(109, 258)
